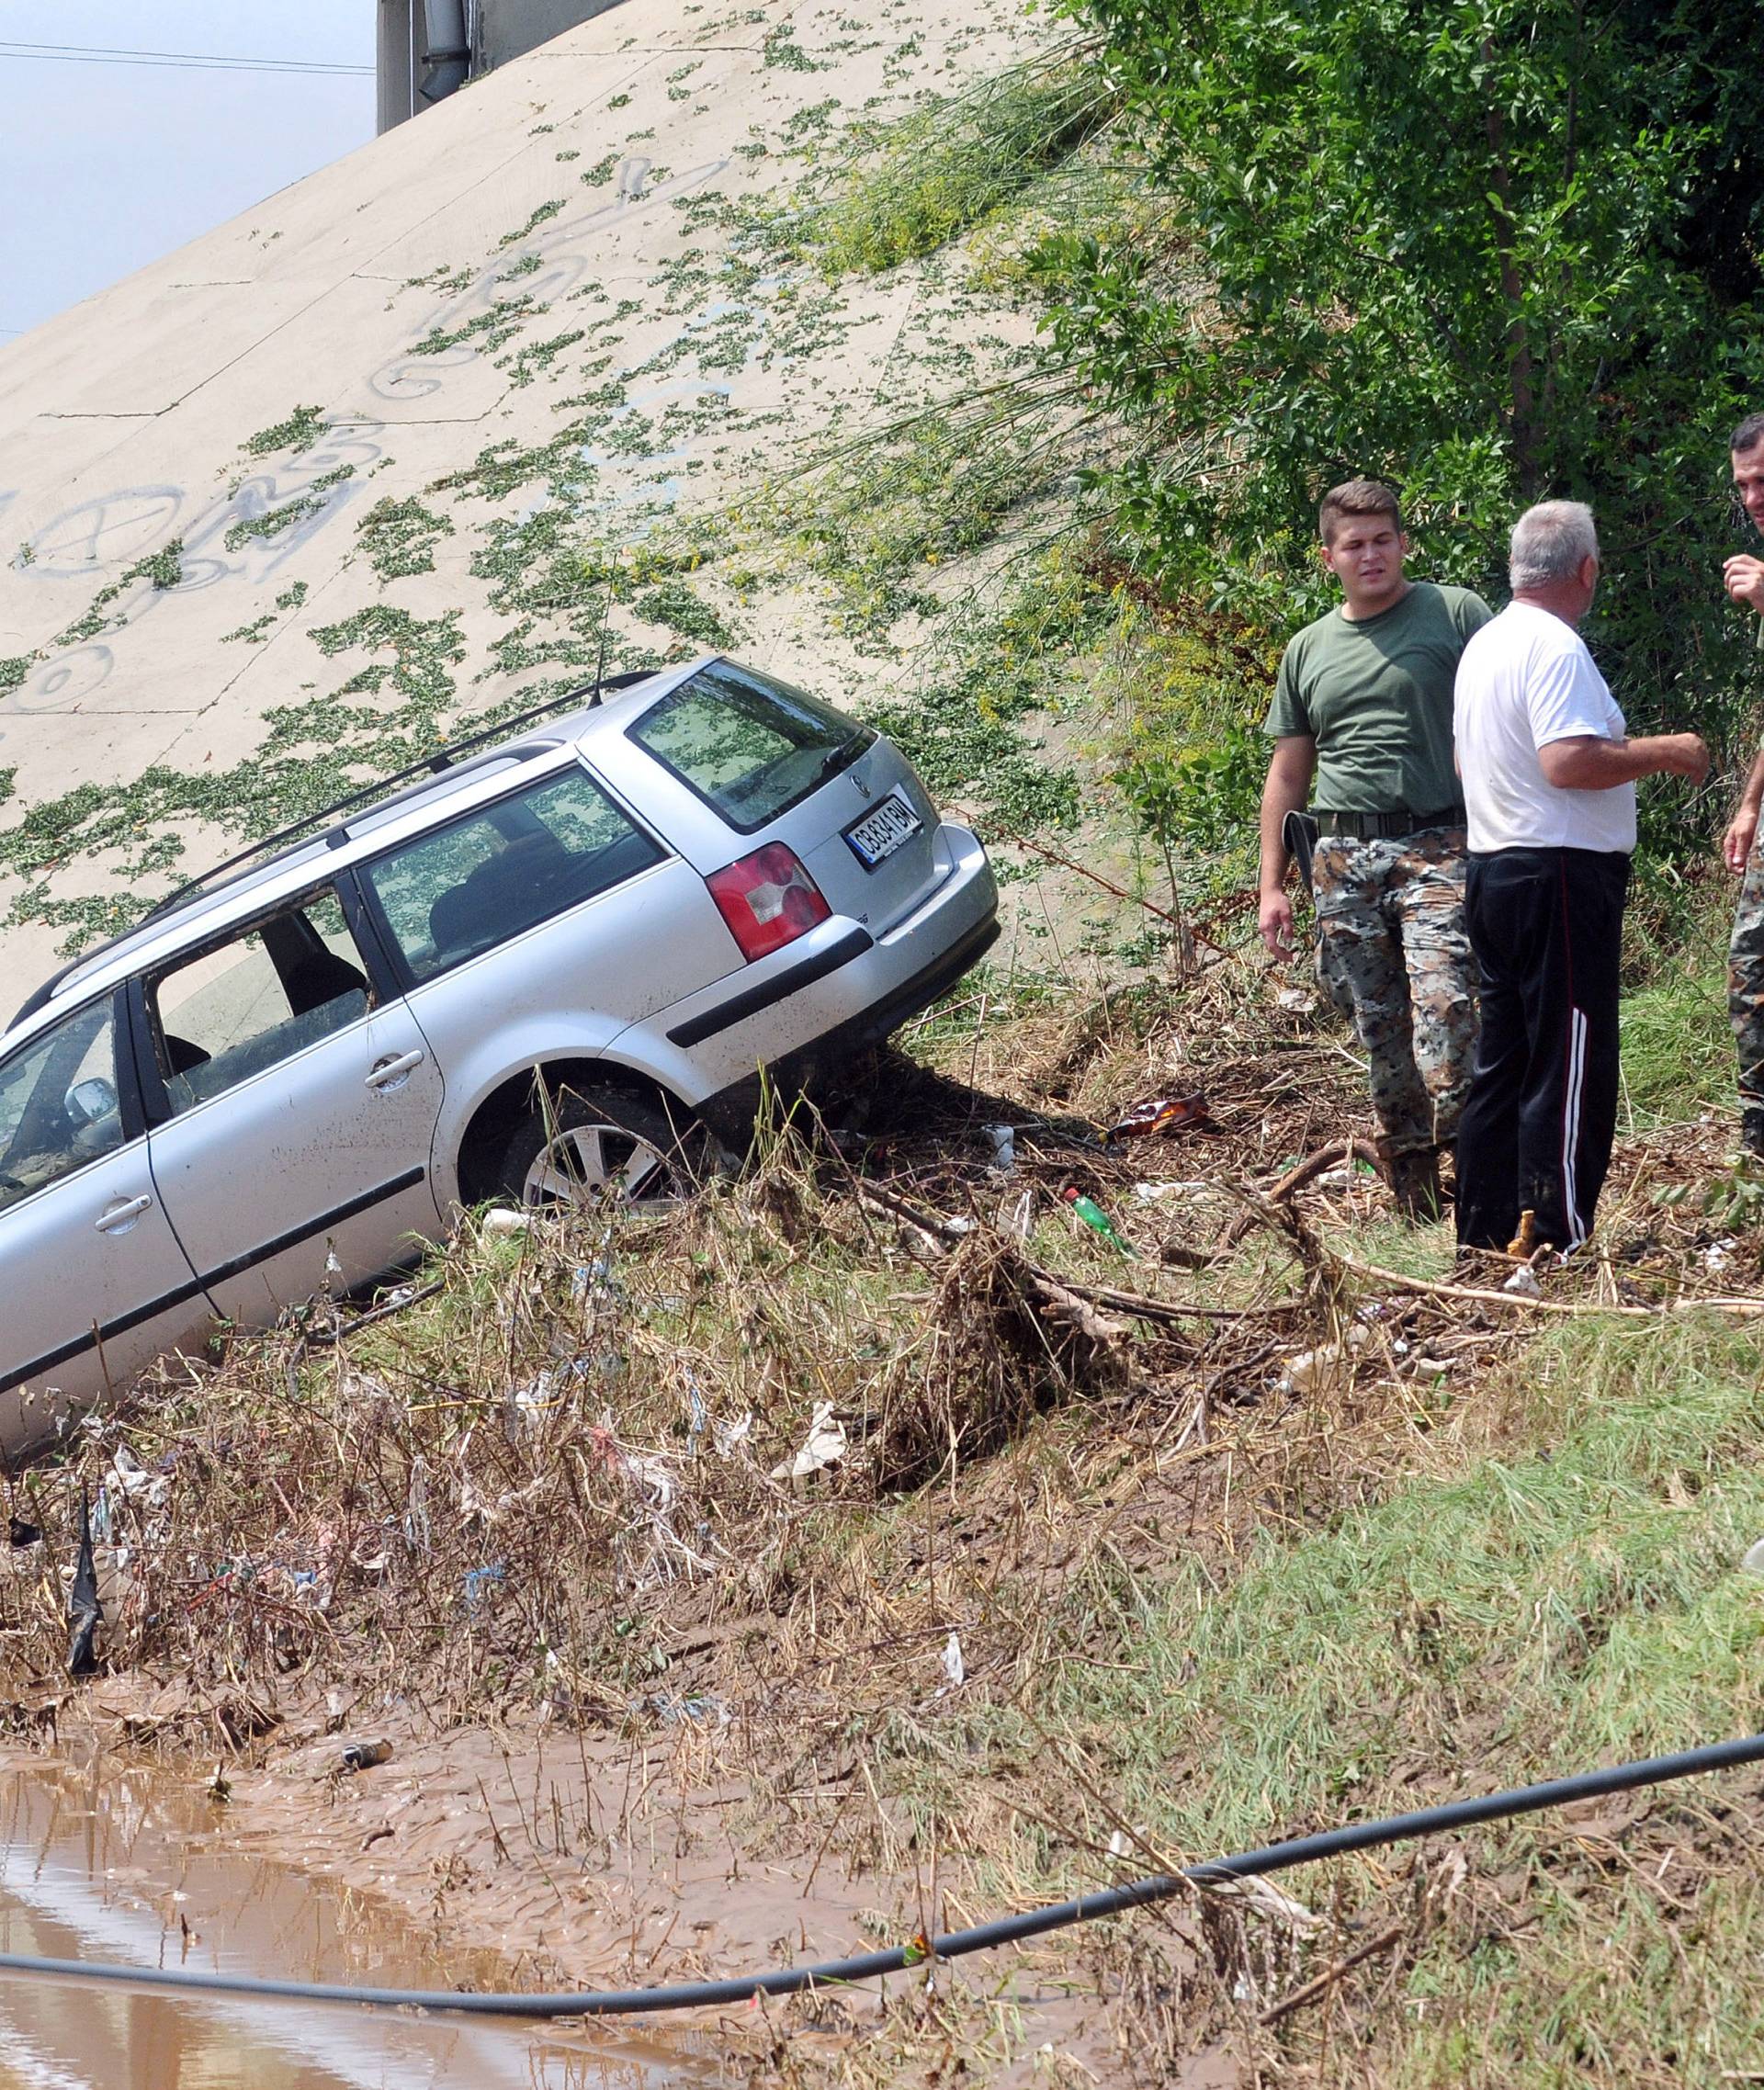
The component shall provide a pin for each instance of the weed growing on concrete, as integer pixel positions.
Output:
(541, 214)
(399, 536)
(296, 434)
(271, 521)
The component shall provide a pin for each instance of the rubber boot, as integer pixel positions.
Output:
(1414, 1179)
(1751, 1129)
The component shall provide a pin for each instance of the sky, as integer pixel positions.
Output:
(104, 167)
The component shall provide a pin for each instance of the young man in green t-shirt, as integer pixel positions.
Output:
(1363, 704)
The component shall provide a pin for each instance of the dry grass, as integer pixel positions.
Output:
(553, 1490)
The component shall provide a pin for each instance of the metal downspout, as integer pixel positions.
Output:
(447, 60)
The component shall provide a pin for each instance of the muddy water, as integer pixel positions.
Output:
(125, 1866)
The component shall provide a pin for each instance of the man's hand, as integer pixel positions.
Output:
(1275, 922)
(1743, 577)
(1737, 843)
(1290, 770)
(1684, 755)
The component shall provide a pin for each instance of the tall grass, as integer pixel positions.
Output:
(1531, 1614)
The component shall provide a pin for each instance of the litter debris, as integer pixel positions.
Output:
(727, 1438)
(84, 1613)
(19, 1533)
(824, 1446)
(594, 1281)
(1524, 1243)
(1719, 1254)
(698, 1415)
(1095, 1218)
(1313, 1369)
(132, 1479)
(1523, 1282)
(1021, 1223)
(1155, 1193)
(529, 1405)
(477, 1580)
(418, 1535)
(364, 1756)
(1753, 1562)
(1004, 1147)
(220, 1787)
(954, 1668)
(701, 1712)
(500, 1222)
(1294, 1001)
(1157, 1114)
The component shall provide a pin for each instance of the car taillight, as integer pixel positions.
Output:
(767, 899)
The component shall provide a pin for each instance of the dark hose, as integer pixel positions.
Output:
(1003, 1930)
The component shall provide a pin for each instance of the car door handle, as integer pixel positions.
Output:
(397, 1067)
(119, 1217)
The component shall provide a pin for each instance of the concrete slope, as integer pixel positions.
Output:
(312, 473)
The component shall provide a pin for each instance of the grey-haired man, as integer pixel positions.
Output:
(1549, 786)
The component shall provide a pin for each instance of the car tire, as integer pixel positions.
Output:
(581, 1145)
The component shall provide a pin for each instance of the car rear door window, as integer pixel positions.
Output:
(239, 1007)
(749, 746)
(499, 872)
(58, 1102)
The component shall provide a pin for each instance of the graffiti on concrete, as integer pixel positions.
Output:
(102, 535)
(108, 532)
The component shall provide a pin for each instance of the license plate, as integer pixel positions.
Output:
(882, 829)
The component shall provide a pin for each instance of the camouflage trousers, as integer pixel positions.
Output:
(1394, 953)
(1746, 978)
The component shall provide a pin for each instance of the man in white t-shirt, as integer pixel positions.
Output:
(1549, 786)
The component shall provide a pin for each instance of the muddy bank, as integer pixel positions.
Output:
(104, 1860)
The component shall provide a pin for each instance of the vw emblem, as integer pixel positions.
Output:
(863, 787)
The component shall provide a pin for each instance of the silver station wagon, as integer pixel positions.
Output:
(543, 972)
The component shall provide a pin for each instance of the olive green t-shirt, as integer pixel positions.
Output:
(1376, 696)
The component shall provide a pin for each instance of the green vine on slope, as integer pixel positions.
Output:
(297, 433)
(399, 536)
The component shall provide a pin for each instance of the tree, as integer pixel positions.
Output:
(1492, 250)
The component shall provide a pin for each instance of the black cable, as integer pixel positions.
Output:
(184, 60)
(1003, 1930)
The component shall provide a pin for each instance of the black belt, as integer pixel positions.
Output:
(1385, 827)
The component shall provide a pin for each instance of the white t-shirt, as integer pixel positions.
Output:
(1526, 679)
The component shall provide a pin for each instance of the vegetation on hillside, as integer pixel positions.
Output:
(1492, 253)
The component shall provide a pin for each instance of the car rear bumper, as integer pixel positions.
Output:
(849, 978)
(731, 1112)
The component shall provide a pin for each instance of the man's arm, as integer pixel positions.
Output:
(1290, 770)
(1737, 843)
(1588, 764)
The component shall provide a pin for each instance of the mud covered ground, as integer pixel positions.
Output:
(870, 1546)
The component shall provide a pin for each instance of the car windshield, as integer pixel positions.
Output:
(749, 746)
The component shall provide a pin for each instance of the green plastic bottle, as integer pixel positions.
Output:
(1095, 1218)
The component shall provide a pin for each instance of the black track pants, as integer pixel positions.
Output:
(1545, 925)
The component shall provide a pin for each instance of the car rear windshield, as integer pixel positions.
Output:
(497, 872)
(749, 746)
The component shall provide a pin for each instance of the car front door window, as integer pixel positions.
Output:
(57, 1103)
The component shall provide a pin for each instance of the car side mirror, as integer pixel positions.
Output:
(86, 1102)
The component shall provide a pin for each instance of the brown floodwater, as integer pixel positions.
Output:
(121, 1864)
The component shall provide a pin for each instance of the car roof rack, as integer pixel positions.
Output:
(444, 758)
(284, 840)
